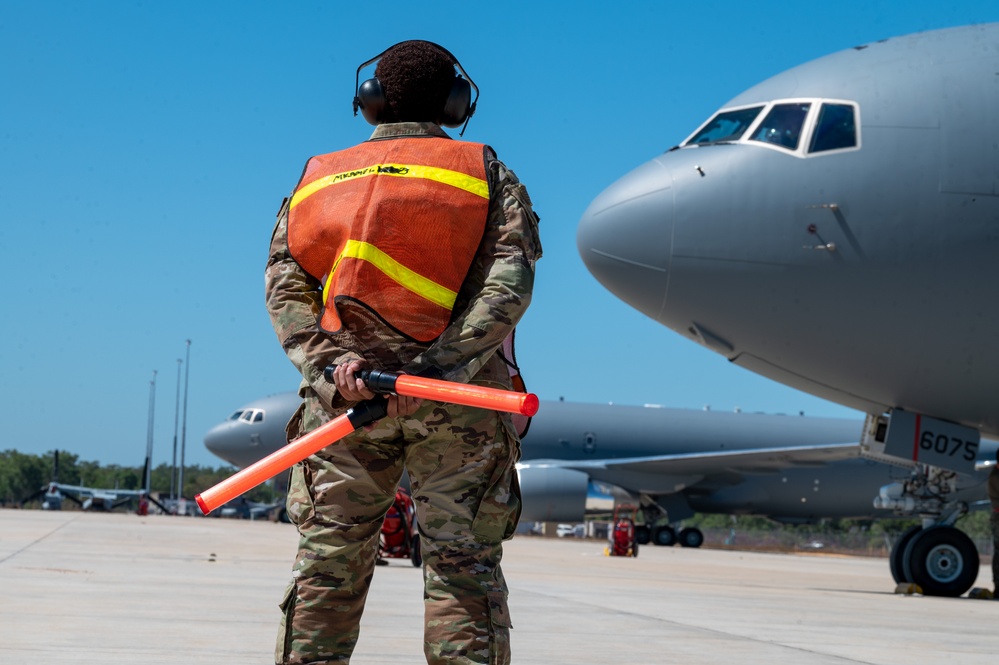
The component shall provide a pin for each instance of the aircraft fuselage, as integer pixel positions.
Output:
(865, 275)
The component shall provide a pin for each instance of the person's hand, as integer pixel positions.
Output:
(349, 386)
(353, 389)
(401, 405)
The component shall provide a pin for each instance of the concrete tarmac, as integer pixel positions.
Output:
(110, 589)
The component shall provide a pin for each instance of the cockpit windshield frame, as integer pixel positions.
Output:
(806, 144)
(248, 416)
(741, 115)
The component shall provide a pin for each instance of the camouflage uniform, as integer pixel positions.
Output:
(460, 460)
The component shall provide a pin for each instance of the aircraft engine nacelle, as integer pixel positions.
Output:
(552, 494)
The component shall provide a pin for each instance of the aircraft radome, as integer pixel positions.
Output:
(836, 228)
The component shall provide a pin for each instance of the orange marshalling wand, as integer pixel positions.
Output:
(365, 412)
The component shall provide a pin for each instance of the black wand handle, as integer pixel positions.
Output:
(377, 380)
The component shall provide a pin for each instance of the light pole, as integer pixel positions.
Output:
(183, 428)
(149, 434)
(176, 418)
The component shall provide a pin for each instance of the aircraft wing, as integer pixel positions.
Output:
(97, 491)
(664, 474)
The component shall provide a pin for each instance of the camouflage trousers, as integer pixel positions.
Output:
(995, 551)
(461, 464)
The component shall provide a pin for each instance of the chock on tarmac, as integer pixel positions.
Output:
(908, 589)
(978, 593)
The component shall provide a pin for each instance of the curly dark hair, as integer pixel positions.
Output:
(416, 77)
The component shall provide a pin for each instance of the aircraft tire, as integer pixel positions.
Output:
(897, 557)
(942, 560)
(414, 552)
(665, 536)
(691, 537)
(643, 534)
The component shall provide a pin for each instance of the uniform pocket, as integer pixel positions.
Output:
(499, 511)
(293, 428)
(299, 502)
(287, 606)
(534, 250)
(499, 629)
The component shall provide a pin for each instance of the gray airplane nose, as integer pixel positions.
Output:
(624, 237)
(220, 440)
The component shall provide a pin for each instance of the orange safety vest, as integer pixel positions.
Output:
(394, 224)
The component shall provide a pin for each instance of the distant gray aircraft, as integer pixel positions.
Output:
(836, 228)
(677, 462)
(54, 492)
(88, 498)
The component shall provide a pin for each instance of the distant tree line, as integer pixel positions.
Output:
(22, 475)
(869, 536)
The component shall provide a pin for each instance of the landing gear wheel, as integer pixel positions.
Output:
(691, 537)
(643, 534)
(634, 549)
(414, 552)
(942, 560)
(897, 556)
(665, 536)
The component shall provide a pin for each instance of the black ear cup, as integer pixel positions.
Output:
(370, 100)
(457, 108)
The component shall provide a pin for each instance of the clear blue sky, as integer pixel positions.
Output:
(145, 148)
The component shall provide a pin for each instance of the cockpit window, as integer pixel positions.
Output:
(782, 126)
(726, 126)
(802, 127)
(835, 129)
(249, 415)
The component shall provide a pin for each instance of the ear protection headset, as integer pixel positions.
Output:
(369, 96)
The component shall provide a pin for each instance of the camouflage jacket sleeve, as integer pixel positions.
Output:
(498, 288)
(294, 302)
(993, 488)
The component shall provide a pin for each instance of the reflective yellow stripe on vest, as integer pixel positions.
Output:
(462, 181)
(418, 284)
